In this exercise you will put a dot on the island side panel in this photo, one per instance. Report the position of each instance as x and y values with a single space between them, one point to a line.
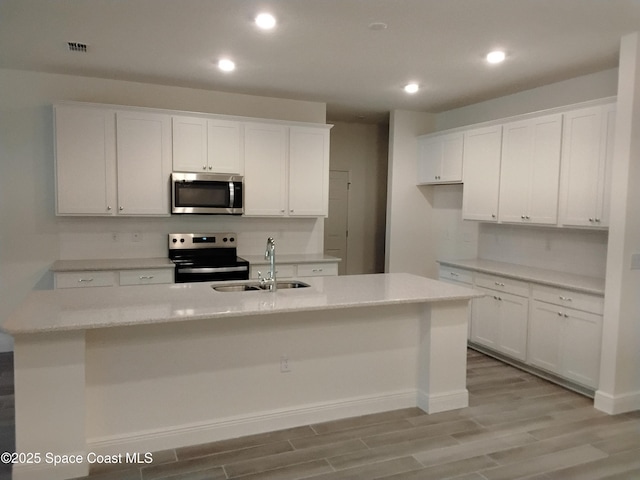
162 386
49 374
442 360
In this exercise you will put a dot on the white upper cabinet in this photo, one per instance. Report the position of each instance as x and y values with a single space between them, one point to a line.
440 159
111 162
144 163
286 170
585 182
481 173
308 171
85 160
207 145
530 170
265 182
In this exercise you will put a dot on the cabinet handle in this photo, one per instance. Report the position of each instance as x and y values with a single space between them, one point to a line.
565 299
597 220
109 208
493 215
453 274
316 270
522 217
210 167
121 208
527 217
146 277
499 284
291 211
591 219
204 167
559 314
566 316
87 280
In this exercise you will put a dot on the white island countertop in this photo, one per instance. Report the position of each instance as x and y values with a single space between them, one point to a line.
104 307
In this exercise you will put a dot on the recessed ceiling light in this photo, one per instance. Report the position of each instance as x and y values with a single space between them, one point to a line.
226 65
497 56
411 88
377 26
266 21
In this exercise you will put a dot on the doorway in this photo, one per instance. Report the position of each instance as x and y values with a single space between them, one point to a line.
336 225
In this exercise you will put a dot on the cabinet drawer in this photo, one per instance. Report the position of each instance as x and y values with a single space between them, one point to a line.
456 274
503 284
146 277
317 269
84 279
569 299
282 271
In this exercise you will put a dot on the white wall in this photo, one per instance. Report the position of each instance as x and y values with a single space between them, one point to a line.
619 388
32 237
409 246
362 150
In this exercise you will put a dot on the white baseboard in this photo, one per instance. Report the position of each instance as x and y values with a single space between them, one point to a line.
444 401
221 429
615 404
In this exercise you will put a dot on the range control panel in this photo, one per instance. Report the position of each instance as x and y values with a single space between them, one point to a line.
202 240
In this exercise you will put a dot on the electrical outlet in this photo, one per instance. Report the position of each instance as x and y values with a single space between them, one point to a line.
285 366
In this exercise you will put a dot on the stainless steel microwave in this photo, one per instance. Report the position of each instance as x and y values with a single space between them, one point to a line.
205 193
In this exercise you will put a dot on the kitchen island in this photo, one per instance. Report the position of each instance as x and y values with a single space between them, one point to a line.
110 371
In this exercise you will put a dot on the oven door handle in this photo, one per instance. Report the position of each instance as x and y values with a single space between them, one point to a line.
213 269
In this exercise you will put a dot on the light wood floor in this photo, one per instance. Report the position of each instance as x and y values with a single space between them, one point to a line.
516 427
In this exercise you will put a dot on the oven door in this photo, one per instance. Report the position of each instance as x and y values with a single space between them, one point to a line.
186 273
207 194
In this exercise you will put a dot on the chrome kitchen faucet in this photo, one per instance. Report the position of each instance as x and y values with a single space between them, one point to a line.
270 254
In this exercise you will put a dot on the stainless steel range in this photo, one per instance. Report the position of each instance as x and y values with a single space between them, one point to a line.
206 257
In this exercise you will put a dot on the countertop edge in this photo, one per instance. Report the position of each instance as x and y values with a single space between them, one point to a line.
467 264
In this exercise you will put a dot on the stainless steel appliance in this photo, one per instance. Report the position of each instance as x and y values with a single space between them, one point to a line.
206 257
205 193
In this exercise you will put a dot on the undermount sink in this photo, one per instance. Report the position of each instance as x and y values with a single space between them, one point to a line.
292 284
249 287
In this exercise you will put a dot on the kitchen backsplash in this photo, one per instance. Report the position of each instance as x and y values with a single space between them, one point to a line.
90 238
582 252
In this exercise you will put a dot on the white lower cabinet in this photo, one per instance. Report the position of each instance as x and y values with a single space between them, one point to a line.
112 278
552 329
565 340
499 321
295 270
463 278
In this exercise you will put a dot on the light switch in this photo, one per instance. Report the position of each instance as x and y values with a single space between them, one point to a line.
635 261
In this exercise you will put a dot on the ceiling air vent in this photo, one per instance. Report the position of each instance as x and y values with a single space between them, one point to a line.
77 47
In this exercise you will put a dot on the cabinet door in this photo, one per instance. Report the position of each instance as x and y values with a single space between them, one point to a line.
530 170
85 161
265 169
440 159
225 147
189 144
481 173
545 330
581 343
485 326
144 163
604 185
513 315
586 149
308 171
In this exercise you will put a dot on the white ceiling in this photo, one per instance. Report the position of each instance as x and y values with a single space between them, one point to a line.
323 50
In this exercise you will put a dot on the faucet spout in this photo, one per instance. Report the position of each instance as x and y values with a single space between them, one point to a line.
270 254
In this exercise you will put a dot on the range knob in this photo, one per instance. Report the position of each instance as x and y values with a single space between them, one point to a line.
225 239
175 240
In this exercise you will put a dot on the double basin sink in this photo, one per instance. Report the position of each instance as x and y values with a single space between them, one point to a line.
249 287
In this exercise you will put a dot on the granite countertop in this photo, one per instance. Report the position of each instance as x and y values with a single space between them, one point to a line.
581 283
292 258
111 264
89 308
